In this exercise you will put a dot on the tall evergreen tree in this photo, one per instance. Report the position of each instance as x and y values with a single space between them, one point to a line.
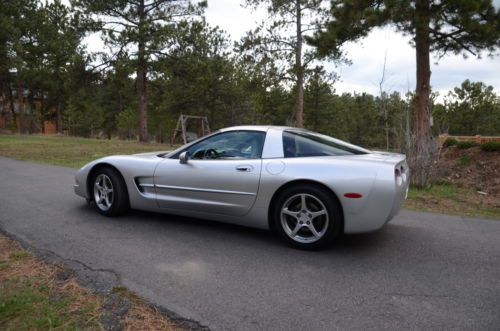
440 26
197 78
59 43
470 109
281 38
143 28
16 21
317 98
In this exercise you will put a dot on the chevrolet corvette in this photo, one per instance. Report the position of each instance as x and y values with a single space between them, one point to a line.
307 187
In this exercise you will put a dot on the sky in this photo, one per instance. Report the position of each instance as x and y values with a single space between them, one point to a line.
366 56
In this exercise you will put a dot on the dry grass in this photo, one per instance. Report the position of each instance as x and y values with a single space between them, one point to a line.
31 297
145 317
451 199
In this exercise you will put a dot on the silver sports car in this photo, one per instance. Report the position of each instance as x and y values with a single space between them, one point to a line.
305 186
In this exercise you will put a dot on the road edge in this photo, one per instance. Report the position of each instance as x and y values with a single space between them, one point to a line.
100 281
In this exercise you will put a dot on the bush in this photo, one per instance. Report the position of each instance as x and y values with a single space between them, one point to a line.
450 142
466 144
463 161
491 146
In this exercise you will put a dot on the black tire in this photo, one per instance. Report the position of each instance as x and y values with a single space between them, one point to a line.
119 204
332 222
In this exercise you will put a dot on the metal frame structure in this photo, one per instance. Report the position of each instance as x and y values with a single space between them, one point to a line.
182 125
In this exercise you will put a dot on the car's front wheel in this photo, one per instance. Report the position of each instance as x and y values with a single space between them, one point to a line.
307 216
109 192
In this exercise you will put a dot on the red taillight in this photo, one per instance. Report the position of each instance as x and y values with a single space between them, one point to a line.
353 195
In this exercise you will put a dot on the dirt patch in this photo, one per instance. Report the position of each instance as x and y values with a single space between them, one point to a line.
471 169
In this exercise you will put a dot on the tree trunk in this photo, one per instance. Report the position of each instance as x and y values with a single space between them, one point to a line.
383 103
58 116
407 121
316 107
386 130
142 95
12 108
31 99
299 103
20 107
422 150
141 79
42 112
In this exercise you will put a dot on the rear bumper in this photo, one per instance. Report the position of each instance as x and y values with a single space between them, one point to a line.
399 199
384 203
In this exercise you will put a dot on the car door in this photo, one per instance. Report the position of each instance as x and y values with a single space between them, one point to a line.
221 176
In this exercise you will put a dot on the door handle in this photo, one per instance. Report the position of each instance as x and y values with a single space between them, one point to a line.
244 168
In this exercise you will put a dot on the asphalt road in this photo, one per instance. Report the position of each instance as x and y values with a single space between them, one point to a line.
422 271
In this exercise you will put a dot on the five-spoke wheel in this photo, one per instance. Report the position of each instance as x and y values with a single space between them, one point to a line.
103 192
307 216
304 218
109 192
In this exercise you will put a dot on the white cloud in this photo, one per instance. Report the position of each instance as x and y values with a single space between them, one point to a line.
231 16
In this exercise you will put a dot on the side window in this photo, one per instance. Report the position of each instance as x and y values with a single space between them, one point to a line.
229 145
304 144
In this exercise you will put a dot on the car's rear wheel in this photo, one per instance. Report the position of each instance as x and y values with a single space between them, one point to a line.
307 216
109 192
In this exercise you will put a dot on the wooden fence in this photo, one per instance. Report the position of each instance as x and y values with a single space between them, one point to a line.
477 138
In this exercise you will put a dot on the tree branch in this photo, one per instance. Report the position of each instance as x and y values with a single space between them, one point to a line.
120 23
121 15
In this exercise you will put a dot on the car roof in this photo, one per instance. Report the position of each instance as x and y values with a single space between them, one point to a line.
258 128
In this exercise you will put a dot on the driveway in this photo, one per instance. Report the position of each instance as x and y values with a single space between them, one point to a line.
422 271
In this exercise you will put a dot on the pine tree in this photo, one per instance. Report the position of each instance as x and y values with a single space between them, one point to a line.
281 39
143 28
439 26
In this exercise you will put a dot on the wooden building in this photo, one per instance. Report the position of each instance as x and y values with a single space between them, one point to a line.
21 112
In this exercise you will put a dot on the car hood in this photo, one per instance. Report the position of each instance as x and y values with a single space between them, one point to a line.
150 155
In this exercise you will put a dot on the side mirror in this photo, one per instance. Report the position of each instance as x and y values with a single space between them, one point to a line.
184 157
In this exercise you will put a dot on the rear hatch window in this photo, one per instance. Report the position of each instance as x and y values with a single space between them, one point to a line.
303 143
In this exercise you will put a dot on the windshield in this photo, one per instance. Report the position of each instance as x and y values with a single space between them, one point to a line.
301 143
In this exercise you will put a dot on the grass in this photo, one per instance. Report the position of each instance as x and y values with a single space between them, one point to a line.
69 151
464 161
18 255
31 298
450 199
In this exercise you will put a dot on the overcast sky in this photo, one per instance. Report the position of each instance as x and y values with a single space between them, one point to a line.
367 56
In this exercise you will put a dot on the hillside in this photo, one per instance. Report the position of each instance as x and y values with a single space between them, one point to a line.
466 182
470 168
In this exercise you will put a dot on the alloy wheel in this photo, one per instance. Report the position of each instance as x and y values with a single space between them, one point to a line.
103 192
304 218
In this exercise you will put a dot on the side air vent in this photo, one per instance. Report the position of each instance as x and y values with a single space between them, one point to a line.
145 185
